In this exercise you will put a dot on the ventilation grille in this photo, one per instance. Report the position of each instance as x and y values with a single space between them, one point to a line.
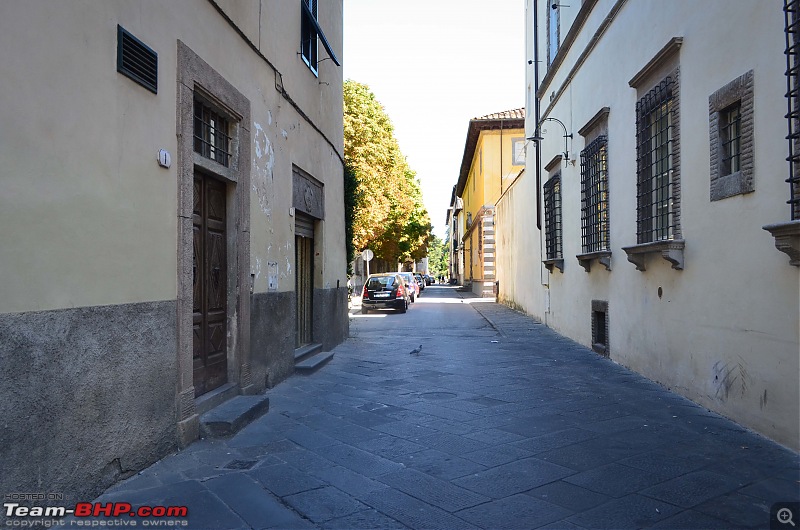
136 60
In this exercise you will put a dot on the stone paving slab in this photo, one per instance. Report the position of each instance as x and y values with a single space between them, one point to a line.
499 422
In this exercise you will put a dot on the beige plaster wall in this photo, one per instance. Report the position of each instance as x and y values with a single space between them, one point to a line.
90 217
725 330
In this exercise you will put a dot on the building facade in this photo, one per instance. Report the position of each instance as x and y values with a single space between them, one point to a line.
655 195
173 202
494 156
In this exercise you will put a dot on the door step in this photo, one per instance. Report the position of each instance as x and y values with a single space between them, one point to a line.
310 358
230 417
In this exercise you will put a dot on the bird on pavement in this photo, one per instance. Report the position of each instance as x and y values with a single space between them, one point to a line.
416 351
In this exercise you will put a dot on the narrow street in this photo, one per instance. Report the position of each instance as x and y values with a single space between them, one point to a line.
496 422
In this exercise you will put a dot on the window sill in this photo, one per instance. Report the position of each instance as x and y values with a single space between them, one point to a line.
671 250
603 257
557 263
787 239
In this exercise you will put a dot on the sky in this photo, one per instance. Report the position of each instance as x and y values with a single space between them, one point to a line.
434 65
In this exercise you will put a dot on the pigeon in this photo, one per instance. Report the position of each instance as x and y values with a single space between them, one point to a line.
416 351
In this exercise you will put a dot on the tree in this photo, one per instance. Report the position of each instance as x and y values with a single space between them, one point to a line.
388 215
438 257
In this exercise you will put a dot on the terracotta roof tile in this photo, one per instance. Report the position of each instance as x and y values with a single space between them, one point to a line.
504 115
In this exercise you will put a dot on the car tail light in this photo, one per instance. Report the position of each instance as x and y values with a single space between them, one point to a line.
365 294
400 291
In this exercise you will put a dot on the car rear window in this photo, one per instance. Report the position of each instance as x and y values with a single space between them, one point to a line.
380 282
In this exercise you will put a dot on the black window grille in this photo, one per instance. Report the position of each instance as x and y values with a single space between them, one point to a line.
791 9
211 138
552 217
308 33
594 196
656 200
730 133
136 60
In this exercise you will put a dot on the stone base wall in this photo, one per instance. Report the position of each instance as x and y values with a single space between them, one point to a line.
88 396
331 320
272 333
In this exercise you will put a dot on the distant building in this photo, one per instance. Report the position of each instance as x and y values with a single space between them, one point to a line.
494 156
172 204
646 227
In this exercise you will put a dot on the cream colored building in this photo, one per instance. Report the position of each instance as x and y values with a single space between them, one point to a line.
173 221
644 226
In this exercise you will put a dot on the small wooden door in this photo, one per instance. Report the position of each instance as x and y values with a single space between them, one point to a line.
304 278
210 354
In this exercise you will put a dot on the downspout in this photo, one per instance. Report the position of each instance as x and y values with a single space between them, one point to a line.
537 133
501 157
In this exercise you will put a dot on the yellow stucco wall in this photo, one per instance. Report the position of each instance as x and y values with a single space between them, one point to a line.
491 171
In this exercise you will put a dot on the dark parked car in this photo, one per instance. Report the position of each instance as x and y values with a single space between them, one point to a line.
420 281
385 291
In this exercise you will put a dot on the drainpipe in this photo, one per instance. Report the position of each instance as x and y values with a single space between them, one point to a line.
501 157
537 132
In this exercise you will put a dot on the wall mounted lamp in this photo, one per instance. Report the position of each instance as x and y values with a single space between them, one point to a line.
538 138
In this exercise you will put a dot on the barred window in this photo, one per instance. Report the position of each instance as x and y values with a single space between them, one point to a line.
594 196
656 197
211 138
552 217
792 11
730 138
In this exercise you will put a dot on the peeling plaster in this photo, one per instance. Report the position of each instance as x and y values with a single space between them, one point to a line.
263 166
284 134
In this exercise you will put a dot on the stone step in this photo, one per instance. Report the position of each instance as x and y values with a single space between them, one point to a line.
230 417
313 363
304 352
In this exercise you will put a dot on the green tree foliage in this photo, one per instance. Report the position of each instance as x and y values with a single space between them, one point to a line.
438 256
350 199
388 215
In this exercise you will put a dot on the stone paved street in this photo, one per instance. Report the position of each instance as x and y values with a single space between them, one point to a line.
497 423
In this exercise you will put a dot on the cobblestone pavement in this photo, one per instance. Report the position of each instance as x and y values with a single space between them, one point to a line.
497 422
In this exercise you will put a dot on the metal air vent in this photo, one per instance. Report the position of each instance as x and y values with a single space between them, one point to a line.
136 60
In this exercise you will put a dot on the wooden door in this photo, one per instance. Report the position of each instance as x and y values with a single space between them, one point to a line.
210 355
304 260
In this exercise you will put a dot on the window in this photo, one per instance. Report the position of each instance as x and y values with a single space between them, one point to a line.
787 234
211 138
553 23
518 149
594 196
792 30
730 121
308 34
552 218
656 197
658 160
600 327
730 135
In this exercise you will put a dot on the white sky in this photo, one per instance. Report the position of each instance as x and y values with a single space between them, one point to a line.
434 64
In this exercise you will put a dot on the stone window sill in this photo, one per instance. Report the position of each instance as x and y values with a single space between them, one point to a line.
787 239
671 251
603 257
557 263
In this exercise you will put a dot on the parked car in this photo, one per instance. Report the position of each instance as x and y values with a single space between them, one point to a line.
412 284
421 281
429 279
385 291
